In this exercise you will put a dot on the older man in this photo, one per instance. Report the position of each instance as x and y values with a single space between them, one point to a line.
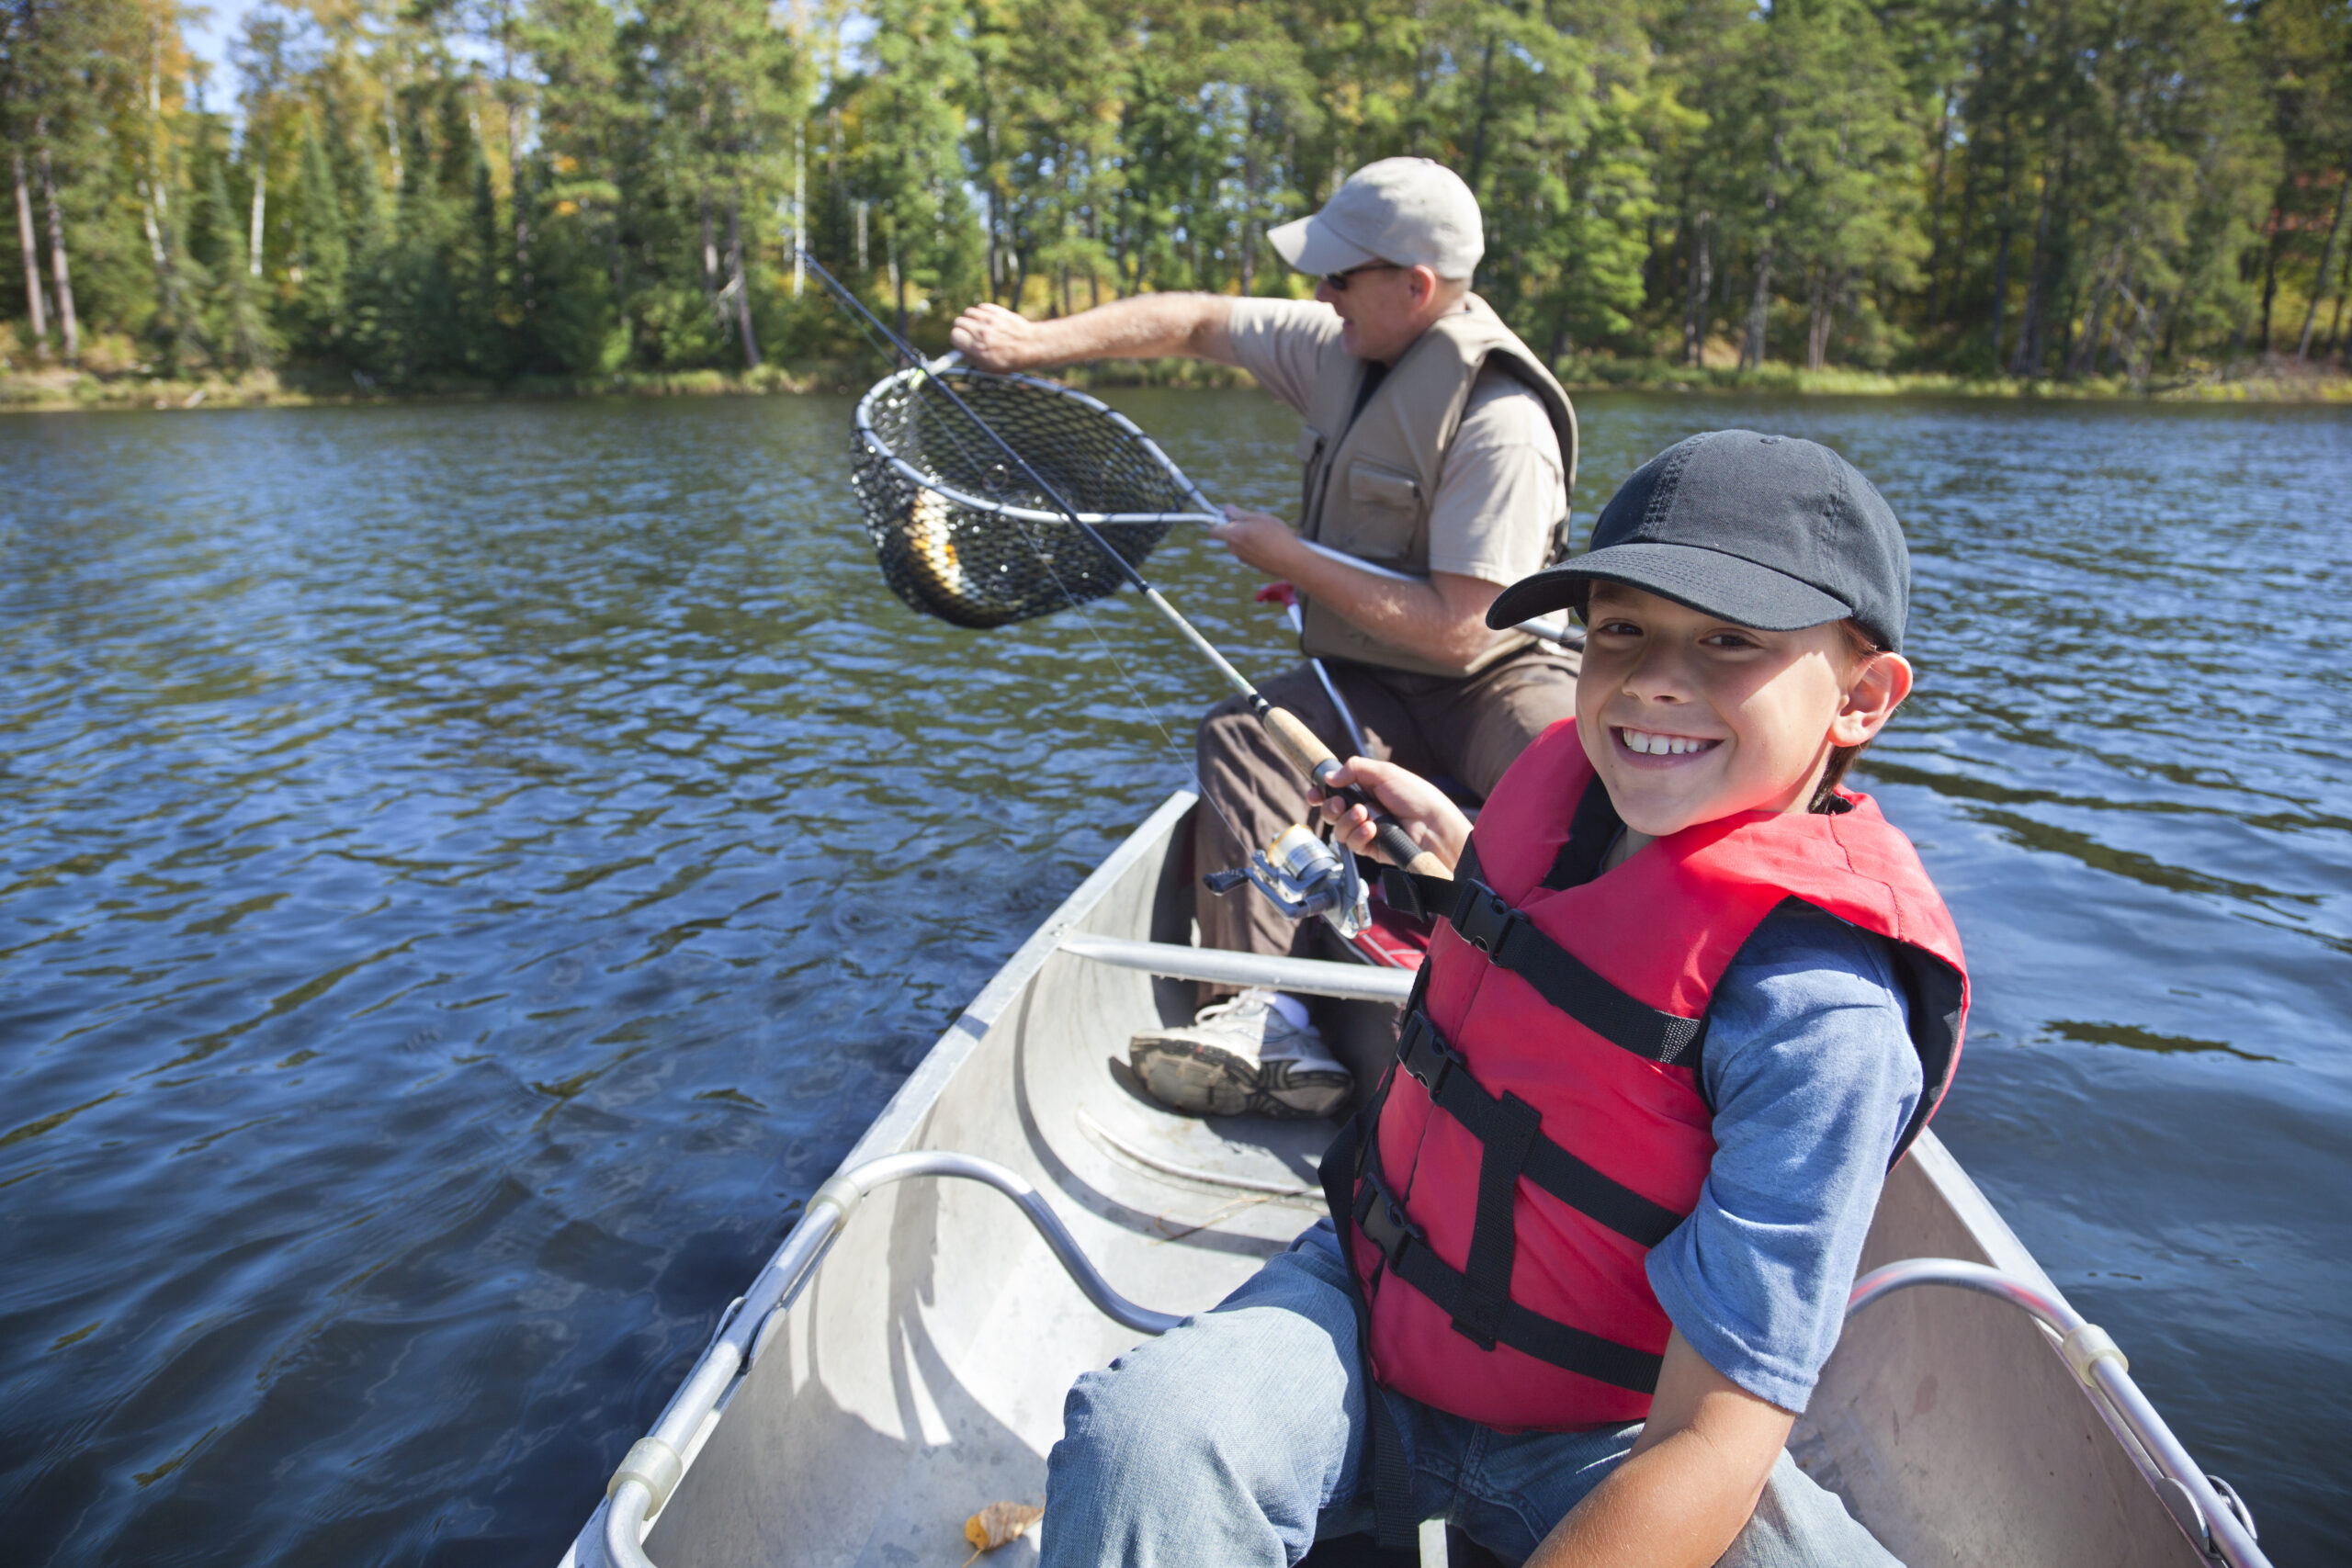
1436 444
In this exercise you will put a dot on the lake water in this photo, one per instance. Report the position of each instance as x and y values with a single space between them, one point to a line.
467 872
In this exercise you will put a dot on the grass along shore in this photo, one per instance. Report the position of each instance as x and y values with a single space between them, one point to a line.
2278 379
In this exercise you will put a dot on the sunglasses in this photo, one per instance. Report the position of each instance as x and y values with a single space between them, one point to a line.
1337 282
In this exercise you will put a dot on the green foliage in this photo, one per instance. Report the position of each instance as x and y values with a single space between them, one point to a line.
483 190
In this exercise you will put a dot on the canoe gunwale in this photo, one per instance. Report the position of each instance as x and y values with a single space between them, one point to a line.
2196 1503
1038 1097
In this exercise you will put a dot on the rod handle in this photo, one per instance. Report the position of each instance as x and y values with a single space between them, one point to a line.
1306 748
1315 759
1399 846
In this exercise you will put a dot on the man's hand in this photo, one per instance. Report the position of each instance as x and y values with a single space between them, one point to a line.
1148 326
1429 818
994 338
1257 539
1687 1489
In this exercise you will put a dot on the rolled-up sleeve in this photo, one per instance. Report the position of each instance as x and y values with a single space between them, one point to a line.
1810 1064
1281 344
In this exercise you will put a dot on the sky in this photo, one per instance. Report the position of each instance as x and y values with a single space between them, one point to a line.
210 27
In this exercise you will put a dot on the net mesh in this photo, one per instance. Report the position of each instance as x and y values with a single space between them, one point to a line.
977 567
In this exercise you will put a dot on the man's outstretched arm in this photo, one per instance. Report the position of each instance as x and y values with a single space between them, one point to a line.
1693 1478
1149 326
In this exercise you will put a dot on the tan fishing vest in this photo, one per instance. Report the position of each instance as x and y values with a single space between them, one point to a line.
1368 483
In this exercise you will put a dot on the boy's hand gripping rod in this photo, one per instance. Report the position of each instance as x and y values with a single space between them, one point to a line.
1312 756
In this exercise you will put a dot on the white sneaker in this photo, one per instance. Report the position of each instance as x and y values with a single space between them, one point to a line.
1241 1058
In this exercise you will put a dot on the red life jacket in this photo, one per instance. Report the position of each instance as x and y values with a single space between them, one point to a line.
1544 1125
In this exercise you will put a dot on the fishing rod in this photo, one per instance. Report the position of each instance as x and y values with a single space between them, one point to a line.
1306 748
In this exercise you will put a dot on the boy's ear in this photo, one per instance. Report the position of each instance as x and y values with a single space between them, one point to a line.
1879 685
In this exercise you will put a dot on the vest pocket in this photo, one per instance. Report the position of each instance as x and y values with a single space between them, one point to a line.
1383 511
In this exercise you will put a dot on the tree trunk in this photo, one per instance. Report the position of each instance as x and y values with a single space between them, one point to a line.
2030 329
2335 321
2000 290
2326 265
261 188
898 278
1816 325
2084 359
1751 349
519 207
1698 275
59 274
36 312
742 289
2007 226
392 136
1479 141
2270 273
800 211
1935 209
709 259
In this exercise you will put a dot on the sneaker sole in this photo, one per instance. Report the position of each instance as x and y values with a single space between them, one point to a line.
1199 1079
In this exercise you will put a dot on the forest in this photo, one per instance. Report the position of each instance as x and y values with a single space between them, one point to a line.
422 193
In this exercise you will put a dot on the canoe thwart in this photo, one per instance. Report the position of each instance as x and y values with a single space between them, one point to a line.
1306 976
2218 1524
653 1466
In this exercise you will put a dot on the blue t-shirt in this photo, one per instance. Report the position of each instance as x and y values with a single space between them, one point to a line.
1810 1066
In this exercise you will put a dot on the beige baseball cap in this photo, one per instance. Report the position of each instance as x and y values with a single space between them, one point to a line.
1412 212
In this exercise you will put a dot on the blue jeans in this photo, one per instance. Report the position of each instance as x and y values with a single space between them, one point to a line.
1239 1438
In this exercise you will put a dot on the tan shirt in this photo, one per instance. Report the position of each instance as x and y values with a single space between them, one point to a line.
1500 495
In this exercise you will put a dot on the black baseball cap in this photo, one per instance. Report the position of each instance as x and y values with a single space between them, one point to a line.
1773 532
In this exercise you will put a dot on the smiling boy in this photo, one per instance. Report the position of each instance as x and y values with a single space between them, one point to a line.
1591 1238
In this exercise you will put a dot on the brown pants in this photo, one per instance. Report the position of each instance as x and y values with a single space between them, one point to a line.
1472 728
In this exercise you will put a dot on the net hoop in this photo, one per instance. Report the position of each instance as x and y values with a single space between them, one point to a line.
949 548
1200 511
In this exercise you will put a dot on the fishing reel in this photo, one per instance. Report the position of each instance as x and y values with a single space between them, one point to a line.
1304 875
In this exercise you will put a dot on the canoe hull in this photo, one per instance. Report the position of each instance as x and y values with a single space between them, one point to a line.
921 1376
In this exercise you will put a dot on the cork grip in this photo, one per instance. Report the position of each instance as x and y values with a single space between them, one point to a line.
1313 757
1304 747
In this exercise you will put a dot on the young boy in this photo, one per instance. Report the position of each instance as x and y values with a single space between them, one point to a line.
1591 1239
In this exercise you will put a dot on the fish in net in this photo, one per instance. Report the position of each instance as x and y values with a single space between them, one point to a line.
964 534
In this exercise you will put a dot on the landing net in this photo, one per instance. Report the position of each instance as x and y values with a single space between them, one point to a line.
963 534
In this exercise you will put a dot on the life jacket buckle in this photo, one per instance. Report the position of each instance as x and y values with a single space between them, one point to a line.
1426 1054
1383 1223
1483 918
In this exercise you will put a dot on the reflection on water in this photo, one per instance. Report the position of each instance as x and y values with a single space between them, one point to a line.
467 872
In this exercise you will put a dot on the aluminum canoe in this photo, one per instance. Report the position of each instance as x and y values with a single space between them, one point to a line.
916 1373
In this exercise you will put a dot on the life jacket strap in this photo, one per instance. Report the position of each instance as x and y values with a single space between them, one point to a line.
1407 1255
1485 919
1423 1052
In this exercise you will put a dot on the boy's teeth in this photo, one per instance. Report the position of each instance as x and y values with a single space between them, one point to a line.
1643 741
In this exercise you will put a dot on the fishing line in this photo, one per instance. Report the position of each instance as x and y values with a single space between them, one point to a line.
893 346
1307 749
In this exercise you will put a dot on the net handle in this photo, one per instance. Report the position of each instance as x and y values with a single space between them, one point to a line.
917 364
1204 511
1309 753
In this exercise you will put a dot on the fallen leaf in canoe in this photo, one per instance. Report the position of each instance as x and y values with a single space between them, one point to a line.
997 1524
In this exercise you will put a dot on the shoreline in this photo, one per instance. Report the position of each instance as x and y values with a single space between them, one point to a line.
64 391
